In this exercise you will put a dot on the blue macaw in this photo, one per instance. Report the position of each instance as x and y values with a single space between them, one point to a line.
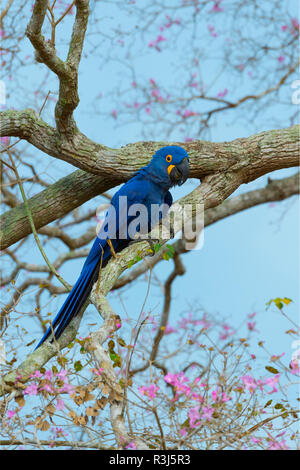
150 185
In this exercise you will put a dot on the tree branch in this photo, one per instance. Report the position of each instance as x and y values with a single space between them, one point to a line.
244 159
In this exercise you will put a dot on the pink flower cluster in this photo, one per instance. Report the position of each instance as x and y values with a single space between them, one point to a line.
226 332
170 22
189 320
155 42
216 7
293 28
197 416
186 113
4 140
49 382
212 30
223 93
295 367
150 392
219 396
251 384
179 381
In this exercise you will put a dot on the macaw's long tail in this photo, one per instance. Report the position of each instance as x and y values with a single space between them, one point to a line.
79 292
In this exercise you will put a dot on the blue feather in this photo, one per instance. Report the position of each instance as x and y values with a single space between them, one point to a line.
150 185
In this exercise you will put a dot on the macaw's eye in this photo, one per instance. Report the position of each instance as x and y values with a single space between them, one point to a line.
169 158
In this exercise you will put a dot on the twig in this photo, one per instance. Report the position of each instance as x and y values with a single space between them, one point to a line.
50 266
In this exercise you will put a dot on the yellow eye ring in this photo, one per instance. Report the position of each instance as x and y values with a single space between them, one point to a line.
169 158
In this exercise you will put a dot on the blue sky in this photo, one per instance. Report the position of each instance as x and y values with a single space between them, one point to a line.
246 259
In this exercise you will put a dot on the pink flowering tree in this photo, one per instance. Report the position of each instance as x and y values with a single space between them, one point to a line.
146 74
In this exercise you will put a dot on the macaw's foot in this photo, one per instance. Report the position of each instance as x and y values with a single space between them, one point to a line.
112 250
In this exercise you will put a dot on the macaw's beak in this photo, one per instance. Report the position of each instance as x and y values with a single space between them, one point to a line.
178 174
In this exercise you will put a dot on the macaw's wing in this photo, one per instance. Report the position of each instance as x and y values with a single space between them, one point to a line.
123 209
132 208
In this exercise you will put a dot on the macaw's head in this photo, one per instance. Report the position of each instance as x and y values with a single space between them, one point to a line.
171 165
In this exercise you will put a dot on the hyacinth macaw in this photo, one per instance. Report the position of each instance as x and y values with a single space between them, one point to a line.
150 185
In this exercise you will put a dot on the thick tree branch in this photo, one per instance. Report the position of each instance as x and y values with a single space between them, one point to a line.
67 72
276 190
247 158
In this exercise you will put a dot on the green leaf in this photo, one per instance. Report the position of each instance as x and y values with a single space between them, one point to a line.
157 247
113 355
279 302
268 403
78 366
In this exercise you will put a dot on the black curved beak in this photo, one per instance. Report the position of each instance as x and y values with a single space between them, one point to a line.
180 173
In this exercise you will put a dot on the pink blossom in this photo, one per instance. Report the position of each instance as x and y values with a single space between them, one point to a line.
60 405
150 391
274 445
194 417
160 38
271 382
187 113
275 357
281 58
98 371
223 93
249 382
48 374
11 413
227 331
4 140
114 113
169 329
148 109
220 397
47 387
295 24
240 67
62 374
212 31
58 432
295 367
131 445
284 27
216 8
168 378
66 388
251 325
156 94
31 389
252 315
207 413
155 42
179 382
35 374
